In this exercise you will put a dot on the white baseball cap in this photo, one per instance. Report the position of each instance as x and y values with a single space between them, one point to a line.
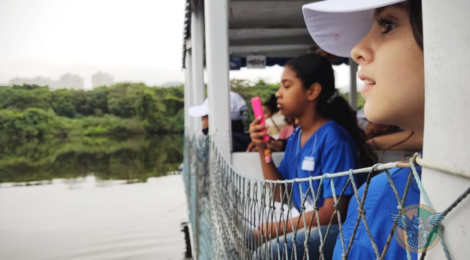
238 108
201 110
338 25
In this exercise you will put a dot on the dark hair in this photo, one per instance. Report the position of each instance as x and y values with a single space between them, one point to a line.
416 20
415 13
271 103
310 69
237 126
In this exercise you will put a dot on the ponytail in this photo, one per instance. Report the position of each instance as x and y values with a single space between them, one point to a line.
271 103
310 69
340 111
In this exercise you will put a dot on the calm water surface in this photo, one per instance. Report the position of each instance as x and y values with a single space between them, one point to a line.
92 199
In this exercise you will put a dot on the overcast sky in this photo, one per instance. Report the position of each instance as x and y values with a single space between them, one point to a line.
138 40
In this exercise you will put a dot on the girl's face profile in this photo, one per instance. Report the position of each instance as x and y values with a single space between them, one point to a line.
205 122
392 68
291 98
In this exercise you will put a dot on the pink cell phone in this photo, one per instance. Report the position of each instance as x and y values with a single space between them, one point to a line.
258 111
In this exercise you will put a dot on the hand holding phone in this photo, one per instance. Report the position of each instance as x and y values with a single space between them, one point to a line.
258 111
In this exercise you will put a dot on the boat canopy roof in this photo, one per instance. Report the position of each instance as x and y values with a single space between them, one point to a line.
272 28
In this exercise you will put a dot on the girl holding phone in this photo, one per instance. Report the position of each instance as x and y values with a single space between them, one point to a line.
327 140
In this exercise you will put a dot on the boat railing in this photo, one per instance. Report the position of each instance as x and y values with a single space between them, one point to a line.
233 216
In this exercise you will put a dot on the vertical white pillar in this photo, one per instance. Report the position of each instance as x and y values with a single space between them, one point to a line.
217 64
353 84
197 51
187 93
447 124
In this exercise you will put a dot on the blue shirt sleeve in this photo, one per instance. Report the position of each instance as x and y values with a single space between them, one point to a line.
339 156
282 168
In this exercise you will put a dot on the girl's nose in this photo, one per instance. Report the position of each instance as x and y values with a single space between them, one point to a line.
362 53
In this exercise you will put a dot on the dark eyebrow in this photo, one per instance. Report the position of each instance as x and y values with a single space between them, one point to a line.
380 10
284 80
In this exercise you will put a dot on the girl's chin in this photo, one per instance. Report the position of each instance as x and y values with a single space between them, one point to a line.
376 117
371 113
285 112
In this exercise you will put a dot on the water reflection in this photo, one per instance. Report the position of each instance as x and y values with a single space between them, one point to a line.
132 160
70 200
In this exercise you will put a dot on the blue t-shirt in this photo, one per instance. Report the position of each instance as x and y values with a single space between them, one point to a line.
332 150
380 201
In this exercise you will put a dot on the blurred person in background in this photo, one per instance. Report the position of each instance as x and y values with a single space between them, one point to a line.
238 108
273 117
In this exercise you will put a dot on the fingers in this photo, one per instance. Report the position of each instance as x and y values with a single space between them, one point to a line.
254 132
258 135
250 147
256 123
256 127
275 145
257 131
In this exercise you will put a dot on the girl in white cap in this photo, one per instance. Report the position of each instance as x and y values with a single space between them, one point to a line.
385 38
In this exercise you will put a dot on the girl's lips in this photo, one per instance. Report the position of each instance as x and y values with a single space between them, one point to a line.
367 87
368 82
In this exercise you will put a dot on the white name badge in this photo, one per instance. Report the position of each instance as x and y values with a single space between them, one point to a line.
308 164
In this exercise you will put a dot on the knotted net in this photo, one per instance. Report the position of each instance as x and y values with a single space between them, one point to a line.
237 217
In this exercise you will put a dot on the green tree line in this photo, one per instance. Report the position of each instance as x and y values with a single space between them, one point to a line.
121 110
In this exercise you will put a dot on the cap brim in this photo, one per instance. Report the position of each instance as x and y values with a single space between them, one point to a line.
198 111
337 26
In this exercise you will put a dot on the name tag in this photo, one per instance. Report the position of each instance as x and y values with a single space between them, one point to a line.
308 163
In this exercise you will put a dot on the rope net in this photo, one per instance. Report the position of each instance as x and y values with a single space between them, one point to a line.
237 217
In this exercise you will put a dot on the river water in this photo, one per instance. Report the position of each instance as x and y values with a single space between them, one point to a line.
110 201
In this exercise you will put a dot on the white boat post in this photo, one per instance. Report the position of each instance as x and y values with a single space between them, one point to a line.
447 120
217 64
197 54
188 121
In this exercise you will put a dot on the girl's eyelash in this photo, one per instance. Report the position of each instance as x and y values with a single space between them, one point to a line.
387 25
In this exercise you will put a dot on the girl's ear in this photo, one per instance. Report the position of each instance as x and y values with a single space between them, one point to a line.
314 91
